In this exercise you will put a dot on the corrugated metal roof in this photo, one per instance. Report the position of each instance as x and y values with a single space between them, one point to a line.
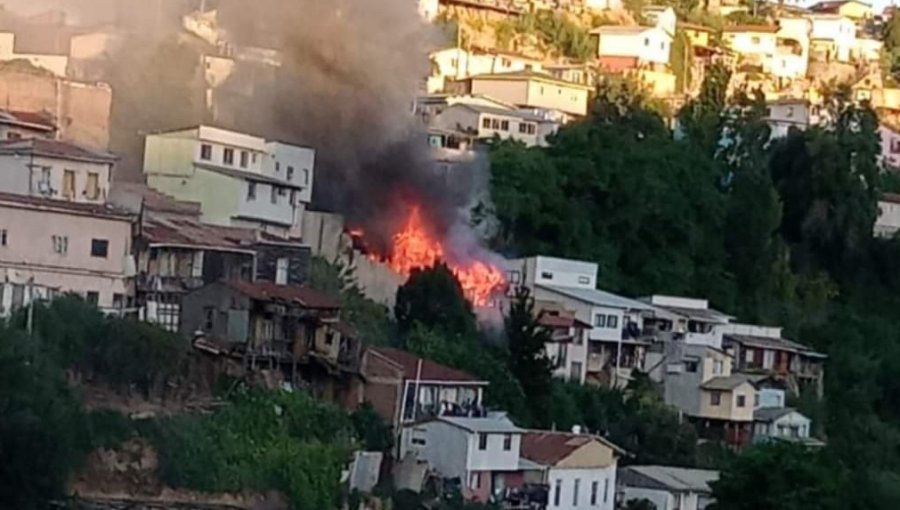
676 478
599 297
487 425
769 414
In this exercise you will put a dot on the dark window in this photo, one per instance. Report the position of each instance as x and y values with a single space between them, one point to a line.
251 191
595 485
206 152
507 442
290 173
228 156
245 159
277 166
600 321
504 126
210 318
691 366
741 401
557 493
93 298
715 398
3 237
99 248
486 123
612 321
482 441
547 275
584 280
13 136
274 194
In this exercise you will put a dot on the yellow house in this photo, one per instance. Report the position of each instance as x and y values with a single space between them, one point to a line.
698 35
853 9
656 83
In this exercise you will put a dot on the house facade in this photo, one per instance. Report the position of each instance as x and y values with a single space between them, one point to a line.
49 247
568 342
622 48
458 63
239 180
578 469
486 122
531 89
784 114
686 319
56 170
781 424
888 222
15 125
668 488
833 37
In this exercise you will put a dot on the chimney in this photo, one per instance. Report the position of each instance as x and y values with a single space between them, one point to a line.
576 429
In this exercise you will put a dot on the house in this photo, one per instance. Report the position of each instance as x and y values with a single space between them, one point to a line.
833 37
668 488
853 9
239 180
394 378
888 222
867 49
787 113
458 64
290 330
568 342
579 469
529 89
616 344
49 247
698 35
54 169
700 382
661 16
483 454
621 48
762 350
890 147
782 424
755 45
583 73
16 125
55 62
685 319
486 122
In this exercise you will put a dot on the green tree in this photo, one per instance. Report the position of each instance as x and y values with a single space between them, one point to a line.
434 298
375 434
527 340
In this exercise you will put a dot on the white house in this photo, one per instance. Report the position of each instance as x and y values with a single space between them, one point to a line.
784 114
890 147
486 122
53 169
661 16
630 47
888 222
668 488
458 63
833 37
484 453
530 89
687 319
568 341
782 424
579 469
240 180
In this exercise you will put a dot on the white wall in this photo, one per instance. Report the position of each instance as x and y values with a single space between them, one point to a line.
606 488
751 43
266 206
888 221
283 158
651 46
16 177
561 272
842 31
494 457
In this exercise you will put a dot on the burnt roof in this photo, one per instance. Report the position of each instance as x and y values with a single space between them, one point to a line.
186 231
268 291
37 120
431 370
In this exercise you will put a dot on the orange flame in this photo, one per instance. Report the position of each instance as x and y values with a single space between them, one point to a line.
414 247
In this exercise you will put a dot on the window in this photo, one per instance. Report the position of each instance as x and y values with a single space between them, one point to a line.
486 123
13 136
92 190
69 183
575 371
274 194
251 191
245 159
206 152
895 145
646 41
756 400
514 277
584 280
60 245
99 248
475 480
575 492
595 486
717 367
547 275
3 237
691 366
504 125
306 176
495 123
290 173
118 301
277 166
557 492
612 321
605 489
418 437
482 441
715 398
754 40
253 158
741 400
281 271
523 127
507 442
600 320
210 318
92 297
228 156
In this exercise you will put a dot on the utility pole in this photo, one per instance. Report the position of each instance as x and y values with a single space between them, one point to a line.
29 324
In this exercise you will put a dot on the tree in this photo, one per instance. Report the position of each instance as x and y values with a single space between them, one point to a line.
639 504
527 340
372 429
434 298
778 476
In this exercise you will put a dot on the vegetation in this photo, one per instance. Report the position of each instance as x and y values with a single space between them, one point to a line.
553 30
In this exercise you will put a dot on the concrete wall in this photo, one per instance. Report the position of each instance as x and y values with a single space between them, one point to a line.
751 43
31 251
508 91
81 110
652 46
296 165
494 457
565 480
554 96
17 177
728 408
219 194
888 221
446 447
841 31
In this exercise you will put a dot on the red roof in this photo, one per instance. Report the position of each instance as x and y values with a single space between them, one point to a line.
268 291
548 447
431 371
561 320
65 206
53 149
